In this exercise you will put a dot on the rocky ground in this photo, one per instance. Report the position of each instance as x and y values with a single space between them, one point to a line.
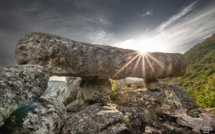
130 110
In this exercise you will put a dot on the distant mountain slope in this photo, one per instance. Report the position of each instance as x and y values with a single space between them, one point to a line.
199 80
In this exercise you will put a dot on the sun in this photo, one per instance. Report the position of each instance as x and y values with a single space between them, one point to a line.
142 51
151 45
145 45
141 57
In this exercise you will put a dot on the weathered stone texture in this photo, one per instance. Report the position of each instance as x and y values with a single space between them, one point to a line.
44 116
68 92
19 85
65 57
91 91
197 124
163 94
96 119
54 87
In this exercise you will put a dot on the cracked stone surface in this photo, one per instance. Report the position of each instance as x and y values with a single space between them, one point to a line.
196 124
46 115
19 85
68 92
91 91
96 118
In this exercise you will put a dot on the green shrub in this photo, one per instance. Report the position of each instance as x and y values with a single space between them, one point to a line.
199 80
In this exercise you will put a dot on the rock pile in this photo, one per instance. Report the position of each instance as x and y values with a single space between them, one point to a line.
89 102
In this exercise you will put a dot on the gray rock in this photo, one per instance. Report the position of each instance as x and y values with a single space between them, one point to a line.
197 124
120 84
91 91
205 123
54 87
96 119
97 90
65 57
44 116
163 94
186 101
174 95
68 92
18 85
70 79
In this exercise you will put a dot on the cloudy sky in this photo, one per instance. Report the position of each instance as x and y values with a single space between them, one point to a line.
150 25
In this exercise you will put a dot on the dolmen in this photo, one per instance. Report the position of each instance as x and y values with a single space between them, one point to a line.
96 64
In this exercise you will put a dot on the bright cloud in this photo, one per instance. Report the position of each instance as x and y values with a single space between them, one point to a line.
181 14
177 33
147 13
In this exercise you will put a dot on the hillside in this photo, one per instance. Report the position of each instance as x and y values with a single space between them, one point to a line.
199 80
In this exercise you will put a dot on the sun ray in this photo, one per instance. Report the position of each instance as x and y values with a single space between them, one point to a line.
125 65
143 67
138 60
156 60
146 56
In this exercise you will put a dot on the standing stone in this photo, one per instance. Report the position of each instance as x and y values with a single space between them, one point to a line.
19 85
68 92
91 91
96 90
65 57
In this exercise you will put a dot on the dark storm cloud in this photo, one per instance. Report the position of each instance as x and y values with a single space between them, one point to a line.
95 21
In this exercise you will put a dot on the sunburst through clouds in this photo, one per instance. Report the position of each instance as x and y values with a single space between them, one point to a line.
142 59
142 56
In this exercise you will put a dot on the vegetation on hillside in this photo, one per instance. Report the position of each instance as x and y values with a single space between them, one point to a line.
199 80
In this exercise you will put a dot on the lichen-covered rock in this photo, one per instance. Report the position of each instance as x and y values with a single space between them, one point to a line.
145 112
91 91
65 57
97 90
134 116
54 87
186 101
175 95
165 95
18 85
96 119
44 116
123 84
197 124
120 84
68 92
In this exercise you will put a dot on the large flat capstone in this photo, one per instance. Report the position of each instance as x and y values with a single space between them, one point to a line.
65 57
